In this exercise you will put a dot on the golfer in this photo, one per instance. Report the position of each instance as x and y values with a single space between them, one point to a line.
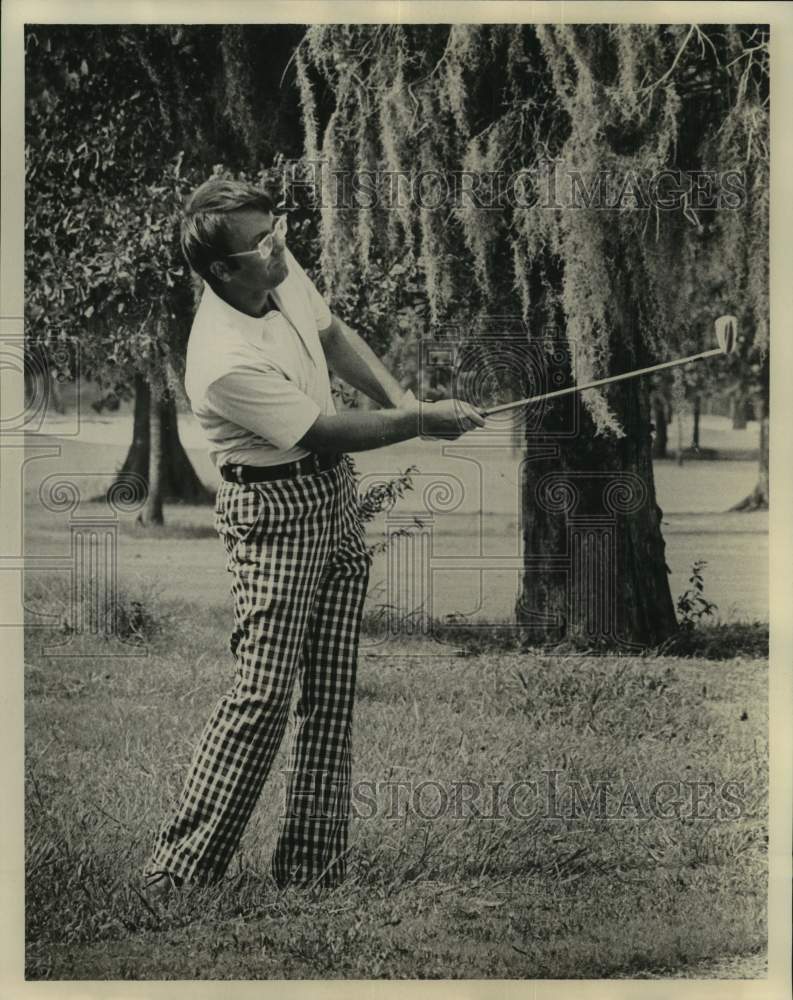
287 512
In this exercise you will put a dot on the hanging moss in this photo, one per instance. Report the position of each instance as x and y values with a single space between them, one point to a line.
622 100
238 108
310 127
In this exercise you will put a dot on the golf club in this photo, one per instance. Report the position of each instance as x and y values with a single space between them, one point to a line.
726 336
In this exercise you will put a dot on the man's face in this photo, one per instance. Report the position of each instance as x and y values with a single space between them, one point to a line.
246 227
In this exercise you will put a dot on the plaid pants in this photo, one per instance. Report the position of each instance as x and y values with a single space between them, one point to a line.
297 554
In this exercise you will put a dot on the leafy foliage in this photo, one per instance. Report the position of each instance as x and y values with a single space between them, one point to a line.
120 126
692 605
102 256
382 496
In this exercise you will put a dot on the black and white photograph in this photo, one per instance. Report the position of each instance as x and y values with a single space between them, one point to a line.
388 400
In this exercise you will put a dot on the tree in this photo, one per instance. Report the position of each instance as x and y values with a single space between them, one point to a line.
581 105
661 405
730 90
103 268
121 124
758 498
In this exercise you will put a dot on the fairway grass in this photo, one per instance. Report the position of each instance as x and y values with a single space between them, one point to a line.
457 870
187 558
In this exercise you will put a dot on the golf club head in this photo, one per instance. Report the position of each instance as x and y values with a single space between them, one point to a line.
727 333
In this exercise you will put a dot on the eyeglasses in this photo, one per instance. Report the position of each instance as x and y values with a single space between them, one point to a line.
266 244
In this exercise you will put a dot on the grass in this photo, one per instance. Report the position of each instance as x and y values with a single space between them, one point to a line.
432 892
435 890
187 559
713 640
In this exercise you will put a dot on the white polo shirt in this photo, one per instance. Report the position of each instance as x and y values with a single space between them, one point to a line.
256 384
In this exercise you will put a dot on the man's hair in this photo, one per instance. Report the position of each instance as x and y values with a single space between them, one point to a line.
206 216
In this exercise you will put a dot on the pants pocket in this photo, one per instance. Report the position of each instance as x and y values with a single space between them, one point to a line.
238 514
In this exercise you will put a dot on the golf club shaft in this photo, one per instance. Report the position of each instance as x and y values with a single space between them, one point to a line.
602 381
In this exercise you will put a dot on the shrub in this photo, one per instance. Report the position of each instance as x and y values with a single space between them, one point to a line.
692 605
136 611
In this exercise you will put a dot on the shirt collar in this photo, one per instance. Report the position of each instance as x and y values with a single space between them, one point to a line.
218 315
232 317
287 298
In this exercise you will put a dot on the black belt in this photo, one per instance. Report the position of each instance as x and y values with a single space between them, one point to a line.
308 466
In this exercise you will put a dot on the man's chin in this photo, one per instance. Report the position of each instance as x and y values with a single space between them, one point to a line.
284 274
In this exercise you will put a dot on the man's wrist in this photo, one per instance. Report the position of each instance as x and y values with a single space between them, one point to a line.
407 420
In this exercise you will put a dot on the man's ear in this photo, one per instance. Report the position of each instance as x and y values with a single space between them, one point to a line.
220 270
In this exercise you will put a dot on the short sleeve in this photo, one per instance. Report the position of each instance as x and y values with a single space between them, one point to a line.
266 402
319 306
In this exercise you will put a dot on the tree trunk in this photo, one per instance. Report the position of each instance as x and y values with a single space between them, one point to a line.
697 409
661 422
137 460
180 481
738 411
152 512
679 453
595 570
56 397
758 498
41 387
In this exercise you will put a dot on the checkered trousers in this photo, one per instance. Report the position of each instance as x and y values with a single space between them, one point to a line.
299 565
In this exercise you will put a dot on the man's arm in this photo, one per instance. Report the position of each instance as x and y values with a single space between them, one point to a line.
352 359
361 430
265 402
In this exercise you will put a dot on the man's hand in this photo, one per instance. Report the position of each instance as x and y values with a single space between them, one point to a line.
364 430
449 418
444 420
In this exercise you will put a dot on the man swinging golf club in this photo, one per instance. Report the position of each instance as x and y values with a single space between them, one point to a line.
287 511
